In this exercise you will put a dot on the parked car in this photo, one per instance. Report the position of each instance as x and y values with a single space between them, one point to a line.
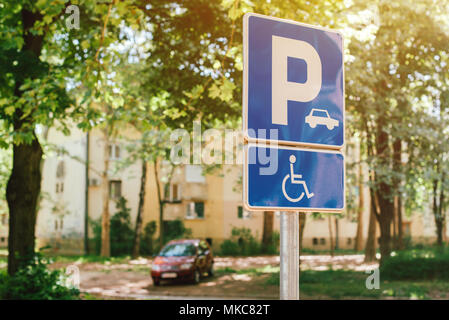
187 259
321 117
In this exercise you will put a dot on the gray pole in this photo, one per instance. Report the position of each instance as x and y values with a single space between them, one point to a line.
289 256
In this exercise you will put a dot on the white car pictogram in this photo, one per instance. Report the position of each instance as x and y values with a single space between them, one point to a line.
321 117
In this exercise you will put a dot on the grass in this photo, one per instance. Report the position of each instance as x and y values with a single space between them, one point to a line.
346 284
340 284
89 259
251 271
338 252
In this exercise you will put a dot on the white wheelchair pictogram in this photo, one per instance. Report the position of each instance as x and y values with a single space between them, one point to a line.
293 178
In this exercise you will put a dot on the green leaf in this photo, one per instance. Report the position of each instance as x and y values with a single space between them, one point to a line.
10 110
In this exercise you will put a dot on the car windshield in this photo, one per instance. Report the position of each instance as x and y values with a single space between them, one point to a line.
178 250
318 113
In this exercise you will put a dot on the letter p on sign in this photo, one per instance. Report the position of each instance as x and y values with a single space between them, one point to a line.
284 90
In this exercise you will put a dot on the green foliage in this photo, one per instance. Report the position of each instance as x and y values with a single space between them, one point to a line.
34 281
424 264
121 232
273 247
176 230
147 241
242 243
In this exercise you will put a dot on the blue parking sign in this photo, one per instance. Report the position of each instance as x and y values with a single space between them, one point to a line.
293 179
293 83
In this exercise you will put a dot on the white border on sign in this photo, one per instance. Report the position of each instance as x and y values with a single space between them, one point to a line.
295 209
245 85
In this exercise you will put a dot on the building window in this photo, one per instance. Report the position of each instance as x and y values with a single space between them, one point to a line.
115 189
315 241
243 214
3 239
59 187
60 170
195 210
114 152
175 193
322 241
59 224
349 242
4 219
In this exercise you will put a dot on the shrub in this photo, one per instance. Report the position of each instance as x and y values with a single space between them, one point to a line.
34 281
417 265
273 247
121 232
175 229
146 242
242 243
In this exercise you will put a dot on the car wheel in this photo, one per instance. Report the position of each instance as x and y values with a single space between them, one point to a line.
156 282
196 276
210 272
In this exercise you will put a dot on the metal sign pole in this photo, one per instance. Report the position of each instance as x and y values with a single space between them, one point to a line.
289 248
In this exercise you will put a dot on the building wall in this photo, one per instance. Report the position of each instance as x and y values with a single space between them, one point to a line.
60 219
220 191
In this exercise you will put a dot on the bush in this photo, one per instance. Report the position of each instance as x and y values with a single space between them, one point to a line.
146 242
121 232
242 243
34 281
175 230
417 265
273 247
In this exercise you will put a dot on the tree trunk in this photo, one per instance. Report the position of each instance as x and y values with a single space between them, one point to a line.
400 229
267 235
138 230
370 247
24 183
385 238
86 197
441 211
331 237
22 193
302 225
438 211
358 246
384 189
337 236
397 163
161 206
105 218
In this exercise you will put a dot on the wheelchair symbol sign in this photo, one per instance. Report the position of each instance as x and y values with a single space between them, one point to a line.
293 179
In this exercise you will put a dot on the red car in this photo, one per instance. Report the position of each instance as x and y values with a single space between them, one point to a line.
186 259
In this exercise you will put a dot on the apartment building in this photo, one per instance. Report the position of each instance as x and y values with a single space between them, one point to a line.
210 205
